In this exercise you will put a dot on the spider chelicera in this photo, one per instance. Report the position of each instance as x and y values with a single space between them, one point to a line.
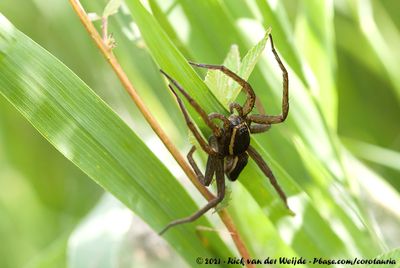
229 148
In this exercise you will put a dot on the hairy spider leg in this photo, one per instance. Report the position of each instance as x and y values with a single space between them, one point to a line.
237 107
204 145
268 172
251 96
216 130
221 117
210 168
219 176
274 119
259 128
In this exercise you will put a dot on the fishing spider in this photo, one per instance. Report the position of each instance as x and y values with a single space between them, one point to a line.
228 148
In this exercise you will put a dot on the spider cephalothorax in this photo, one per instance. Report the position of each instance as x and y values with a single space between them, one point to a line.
228 147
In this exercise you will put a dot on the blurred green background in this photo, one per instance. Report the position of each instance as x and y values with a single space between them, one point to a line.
344 54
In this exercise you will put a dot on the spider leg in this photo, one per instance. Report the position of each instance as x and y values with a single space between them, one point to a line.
259 128
221 117
274 119
267 171
195 105
251 96
219 164
204 145
236 106
210 168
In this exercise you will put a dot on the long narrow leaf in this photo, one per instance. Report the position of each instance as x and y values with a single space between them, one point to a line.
87 132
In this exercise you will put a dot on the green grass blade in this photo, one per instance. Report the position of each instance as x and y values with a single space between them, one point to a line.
315 33
374 153
163 20
276 18
392 256
382 36
341 204
203 16
305 119
87 132
169 58
343 208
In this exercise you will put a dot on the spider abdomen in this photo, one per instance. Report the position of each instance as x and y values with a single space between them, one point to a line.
239 139
234 165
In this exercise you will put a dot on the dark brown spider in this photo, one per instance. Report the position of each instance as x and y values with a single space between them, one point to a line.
229 146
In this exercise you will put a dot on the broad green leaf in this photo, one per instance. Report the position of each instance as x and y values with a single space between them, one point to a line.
225 88
253 55
232 60
88 133
219 83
